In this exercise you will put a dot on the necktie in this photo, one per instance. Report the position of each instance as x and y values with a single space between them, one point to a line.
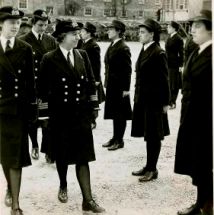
40 38
7 46
69 60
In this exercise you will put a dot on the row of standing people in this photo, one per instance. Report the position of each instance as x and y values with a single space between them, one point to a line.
67 83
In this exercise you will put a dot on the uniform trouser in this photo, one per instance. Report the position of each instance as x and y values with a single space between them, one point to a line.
45 134
153 150
119 127
174 84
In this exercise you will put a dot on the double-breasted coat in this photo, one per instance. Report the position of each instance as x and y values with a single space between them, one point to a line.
17 100
175 57
194 142
71 95
48 43
117 79
93 51
151 94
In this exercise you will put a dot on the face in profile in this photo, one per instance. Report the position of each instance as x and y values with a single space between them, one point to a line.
112 33
200 33
71 39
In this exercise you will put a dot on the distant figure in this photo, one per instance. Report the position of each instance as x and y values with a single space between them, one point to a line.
117 82
24 29
174 51
151 98
93 50
189 47
194 150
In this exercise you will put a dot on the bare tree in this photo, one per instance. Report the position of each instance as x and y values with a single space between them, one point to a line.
71 7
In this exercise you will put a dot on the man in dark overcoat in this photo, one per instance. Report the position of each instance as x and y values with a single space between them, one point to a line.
151 97
17 103
194 150
174 51
67 82
93 50
41 43
117 82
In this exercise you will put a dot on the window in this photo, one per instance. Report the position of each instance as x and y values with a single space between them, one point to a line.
140 13
141 2
181 4
168 5
23 4
88 11
124 13
107 12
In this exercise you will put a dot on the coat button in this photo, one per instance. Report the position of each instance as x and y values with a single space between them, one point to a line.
16 95
78 92
16 87
66 86
36 69
0 95
78 85
0 88
36 77
36 61
34 53
16 80
66 93
65 100
82 77
19 71
63 79
77 99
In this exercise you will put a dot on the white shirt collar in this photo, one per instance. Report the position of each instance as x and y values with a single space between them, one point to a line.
172 34
4 41
203 46
146 46
85 41
116 40
65 53
36 34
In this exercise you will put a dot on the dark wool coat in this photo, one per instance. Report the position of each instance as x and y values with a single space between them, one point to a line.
194 142
39 49
175 57
151 94
17 96
93 51
117 79
70 92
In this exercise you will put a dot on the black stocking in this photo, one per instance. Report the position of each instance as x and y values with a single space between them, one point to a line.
83 177
62 169
7 176
15 183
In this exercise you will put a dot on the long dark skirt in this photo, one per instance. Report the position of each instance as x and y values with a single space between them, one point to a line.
72 138
14 146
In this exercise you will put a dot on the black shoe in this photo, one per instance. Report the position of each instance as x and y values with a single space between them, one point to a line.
8 198
48 159
16 211
92 206
116 145
148 176
62 195
35 153
109 143
140 172
192 210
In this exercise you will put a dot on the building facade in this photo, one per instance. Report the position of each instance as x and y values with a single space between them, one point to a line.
161 10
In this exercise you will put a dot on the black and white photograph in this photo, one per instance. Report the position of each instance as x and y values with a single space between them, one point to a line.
106 107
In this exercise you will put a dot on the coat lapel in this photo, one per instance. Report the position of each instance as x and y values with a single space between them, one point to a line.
4 61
